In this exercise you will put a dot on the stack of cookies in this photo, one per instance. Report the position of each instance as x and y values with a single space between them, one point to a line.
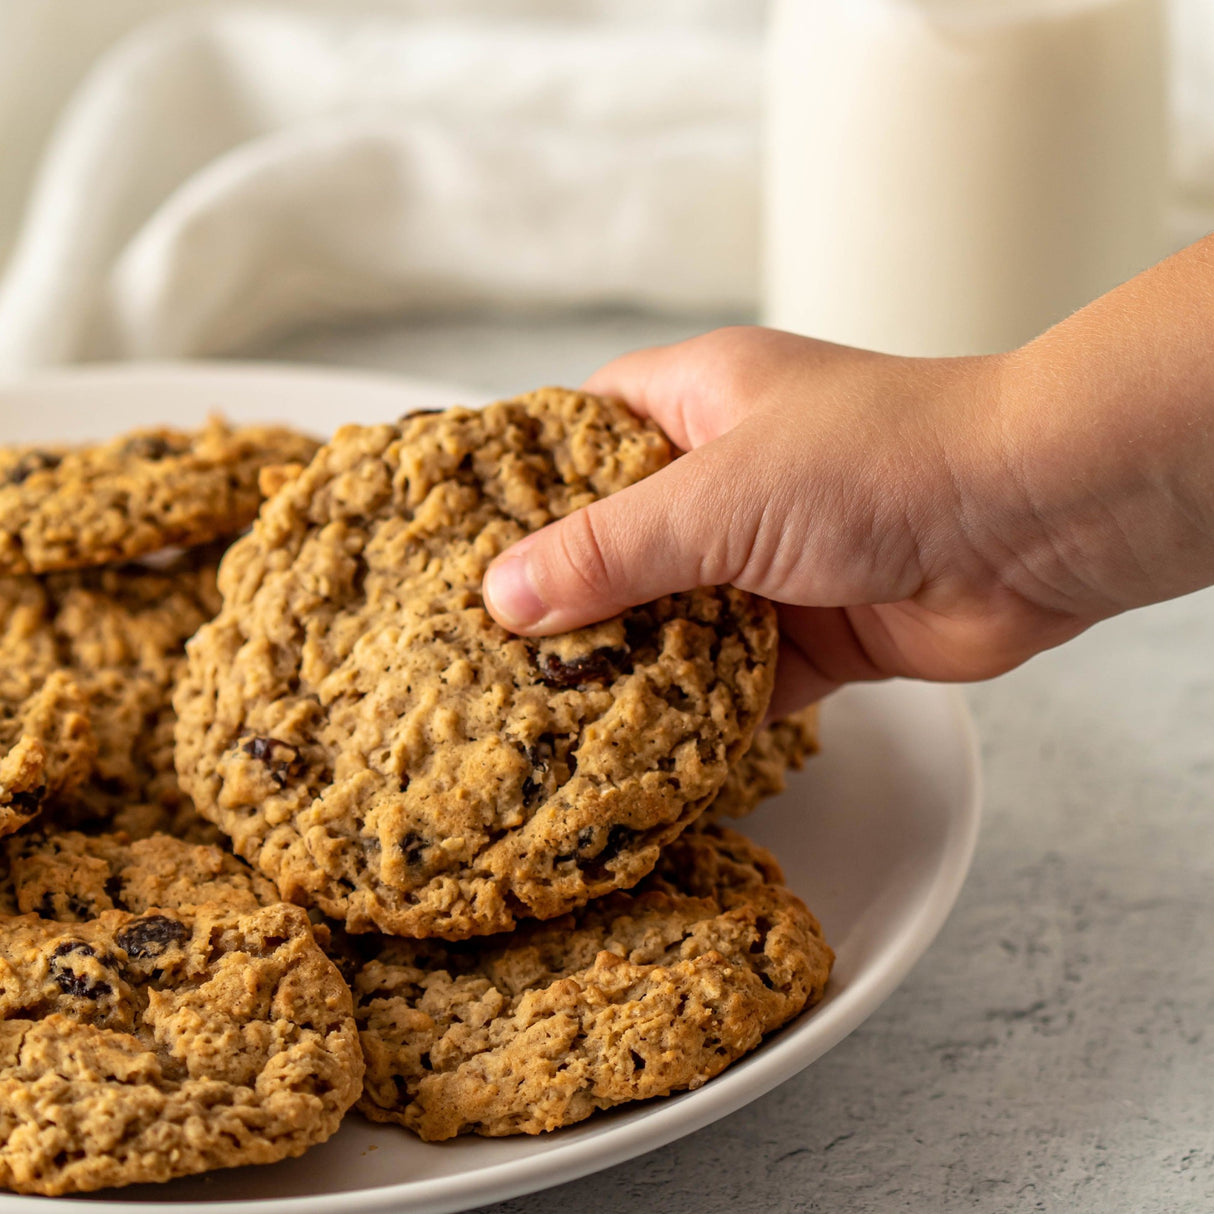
353 823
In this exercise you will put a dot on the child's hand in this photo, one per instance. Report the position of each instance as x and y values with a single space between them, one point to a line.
941 519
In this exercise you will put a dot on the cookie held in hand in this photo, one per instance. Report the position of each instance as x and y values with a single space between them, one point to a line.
377 744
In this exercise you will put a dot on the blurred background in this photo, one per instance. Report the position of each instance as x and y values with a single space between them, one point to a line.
544 182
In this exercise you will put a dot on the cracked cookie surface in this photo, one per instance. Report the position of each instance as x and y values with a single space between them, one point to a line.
47 746
65 508
69 876
762 771
635 995
142 1047
373 741
119 634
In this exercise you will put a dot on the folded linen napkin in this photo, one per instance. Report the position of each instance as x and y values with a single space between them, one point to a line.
185 177
226 172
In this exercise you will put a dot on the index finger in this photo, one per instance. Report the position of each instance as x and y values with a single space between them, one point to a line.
693 389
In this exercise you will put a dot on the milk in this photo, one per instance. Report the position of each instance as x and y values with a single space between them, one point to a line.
953 176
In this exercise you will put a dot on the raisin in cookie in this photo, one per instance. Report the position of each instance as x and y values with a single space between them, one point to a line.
138 1048
120 634
761 771
64 508
47 746
637 994
69 876
373 741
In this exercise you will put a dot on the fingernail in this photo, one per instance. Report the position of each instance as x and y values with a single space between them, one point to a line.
511 594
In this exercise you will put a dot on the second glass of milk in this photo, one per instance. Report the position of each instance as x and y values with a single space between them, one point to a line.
953 176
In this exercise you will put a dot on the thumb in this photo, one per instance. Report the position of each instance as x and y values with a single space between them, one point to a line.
682 527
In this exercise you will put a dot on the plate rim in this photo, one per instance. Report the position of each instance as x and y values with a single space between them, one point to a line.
664 1122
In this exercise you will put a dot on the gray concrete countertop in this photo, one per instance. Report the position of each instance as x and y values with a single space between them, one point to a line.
1053 1050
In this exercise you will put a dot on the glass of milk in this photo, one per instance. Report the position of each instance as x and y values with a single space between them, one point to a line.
953 176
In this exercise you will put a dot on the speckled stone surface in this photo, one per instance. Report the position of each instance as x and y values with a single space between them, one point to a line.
1054 1051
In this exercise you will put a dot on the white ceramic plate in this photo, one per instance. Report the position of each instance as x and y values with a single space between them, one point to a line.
876 835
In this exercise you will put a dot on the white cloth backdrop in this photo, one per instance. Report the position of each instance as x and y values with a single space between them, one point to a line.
184 178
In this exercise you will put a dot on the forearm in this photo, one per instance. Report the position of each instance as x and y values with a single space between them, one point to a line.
1104 434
